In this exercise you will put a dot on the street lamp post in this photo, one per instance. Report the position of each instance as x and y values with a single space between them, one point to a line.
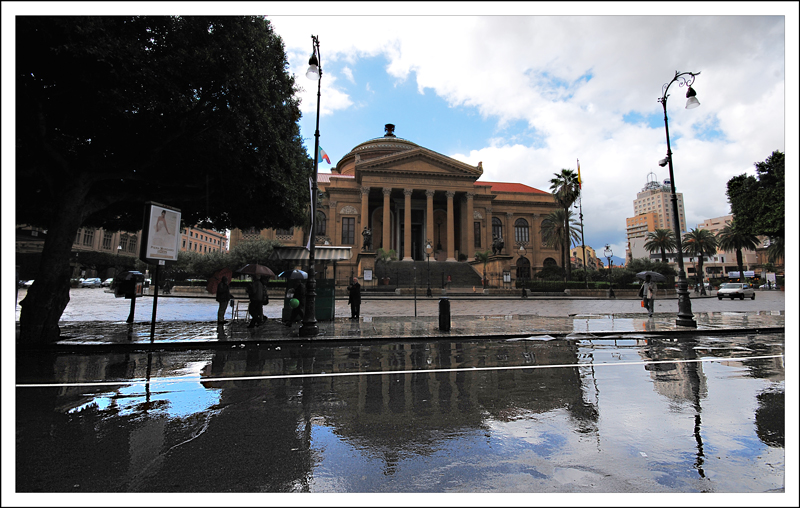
428 249
522 253
310 327
607 252
685 316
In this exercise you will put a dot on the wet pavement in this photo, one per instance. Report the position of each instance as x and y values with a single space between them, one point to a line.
520 396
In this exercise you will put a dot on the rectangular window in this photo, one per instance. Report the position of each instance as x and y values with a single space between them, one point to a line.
78 237
88 237
477 234
123 242
107 240
348 230
132 244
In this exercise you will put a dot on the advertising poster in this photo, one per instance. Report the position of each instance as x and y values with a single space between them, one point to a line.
162 227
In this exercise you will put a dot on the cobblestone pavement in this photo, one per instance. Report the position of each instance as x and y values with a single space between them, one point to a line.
95 317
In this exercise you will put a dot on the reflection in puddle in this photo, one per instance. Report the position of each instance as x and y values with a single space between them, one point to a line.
632 425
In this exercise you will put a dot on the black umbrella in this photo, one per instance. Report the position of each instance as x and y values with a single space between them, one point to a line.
654 276
256 269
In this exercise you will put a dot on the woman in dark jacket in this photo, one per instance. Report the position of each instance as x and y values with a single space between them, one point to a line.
223 297
354 299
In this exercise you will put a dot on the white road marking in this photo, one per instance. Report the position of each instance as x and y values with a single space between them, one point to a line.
185 379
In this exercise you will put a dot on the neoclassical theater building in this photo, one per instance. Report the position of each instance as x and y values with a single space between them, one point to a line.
410 197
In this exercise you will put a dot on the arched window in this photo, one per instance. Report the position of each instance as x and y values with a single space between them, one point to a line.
523 268
521 231
497 228
549 262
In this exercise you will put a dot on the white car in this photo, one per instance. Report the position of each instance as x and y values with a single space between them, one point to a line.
108 282
736 290
91 283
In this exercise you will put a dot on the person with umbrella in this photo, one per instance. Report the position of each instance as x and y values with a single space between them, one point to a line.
255 293
648 294
223 297
354 299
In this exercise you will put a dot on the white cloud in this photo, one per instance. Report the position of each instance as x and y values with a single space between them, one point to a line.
572 78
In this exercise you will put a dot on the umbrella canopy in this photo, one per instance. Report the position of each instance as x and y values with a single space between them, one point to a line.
294 274
256 269
215 279
655 276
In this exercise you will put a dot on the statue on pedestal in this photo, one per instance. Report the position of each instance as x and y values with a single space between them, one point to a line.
367 234
497 245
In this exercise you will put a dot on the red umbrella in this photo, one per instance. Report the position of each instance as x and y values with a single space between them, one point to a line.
215 279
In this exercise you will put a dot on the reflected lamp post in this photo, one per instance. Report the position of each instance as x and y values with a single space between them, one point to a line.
685 316
607 252
310 327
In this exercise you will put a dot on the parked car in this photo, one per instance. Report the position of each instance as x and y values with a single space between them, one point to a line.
107 283
736 290
27 283
91 283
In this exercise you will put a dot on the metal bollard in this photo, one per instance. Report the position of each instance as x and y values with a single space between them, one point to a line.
444 314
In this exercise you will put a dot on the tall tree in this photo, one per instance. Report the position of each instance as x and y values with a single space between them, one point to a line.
483 257
566 189
661 240
700 243
555 235
198 113
732 238
757 203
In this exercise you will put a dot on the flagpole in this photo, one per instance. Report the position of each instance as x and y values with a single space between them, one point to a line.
580 215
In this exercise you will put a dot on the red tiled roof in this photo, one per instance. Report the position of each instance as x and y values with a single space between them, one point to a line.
510 187
326 177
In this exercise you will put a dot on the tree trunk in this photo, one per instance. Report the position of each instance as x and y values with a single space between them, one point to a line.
663 255
42 307
702 276
567 258
740 263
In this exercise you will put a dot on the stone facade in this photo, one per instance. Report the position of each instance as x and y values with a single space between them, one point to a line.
410 197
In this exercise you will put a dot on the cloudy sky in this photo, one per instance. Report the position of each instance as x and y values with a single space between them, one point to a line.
530 94
530 88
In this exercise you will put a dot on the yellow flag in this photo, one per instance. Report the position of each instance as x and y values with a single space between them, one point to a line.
579 174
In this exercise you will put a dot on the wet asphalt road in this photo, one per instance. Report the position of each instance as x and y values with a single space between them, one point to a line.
699 415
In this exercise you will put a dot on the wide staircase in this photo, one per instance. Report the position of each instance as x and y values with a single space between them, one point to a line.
401 274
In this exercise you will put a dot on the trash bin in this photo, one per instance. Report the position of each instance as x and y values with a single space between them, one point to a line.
128 284
444 314
325 303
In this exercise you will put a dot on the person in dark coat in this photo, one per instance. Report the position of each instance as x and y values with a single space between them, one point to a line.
223 297
354 299
255 293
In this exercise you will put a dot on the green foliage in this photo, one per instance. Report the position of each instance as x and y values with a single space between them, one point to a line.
733 238
566 190
661 240
758 203
644 264
384 256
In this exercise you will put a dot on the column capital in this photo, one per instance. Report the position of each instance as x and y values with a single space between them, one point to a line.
387 191
429 193
364 190
450 194
470 195
509 214
408 192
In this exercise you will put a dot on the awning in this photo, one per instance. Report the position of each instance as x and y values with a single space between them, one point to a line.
321 253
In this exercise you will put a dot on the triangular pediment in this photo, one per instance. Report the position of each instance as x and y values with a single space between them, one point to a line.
419 161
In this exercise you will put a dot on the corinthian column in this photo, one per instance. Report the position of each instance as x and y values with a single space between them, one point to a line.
429 220
451 237
470 250
407 226
386 242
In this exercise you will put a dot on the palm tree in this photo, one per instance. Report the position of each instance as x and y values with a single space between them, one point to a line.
385 256
775 249
700 242
732 238
554 233
566 190
661 240
483 257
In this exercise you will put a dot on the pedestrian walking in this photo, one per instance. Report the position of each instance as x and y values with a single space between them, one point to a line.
223 297
648 294
298 313
354 299
255 293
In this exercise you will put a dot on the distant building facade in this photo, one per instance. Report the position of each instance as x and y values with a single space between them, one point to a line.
203 241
